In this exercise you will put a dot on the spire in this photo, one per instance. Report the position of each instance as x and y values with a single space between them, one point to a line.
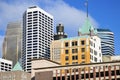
86 4
17 67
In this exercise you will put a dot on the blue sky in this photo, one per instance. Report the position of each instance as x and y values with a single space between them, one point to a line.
72 13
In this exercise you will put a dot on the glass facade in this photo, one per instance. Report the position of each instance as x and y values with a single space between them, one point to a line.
107 41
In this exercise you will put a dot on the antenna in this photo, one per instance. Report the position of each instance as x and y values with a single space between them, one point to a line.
86 4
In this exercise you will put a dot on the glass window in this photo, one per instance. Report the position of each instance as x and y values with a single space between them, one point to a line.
66 58
75 50
74 43
95 59
83 56
82 49
82 42
66 51
95 52
66 44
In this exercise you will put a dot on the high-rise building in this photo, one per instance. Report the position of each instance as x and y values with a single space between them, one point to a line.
60 32
5 65
85 48
12 42
107 41
37 35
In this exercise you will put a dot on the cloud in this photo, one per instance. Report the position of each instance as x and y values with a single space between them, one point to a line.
1 42
12 11
71 17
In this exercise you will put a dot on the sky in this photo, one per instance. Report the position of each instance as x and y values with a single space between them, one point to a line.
71 13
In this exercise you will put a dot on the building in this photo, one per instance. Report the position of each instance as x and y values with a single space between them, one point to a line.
16 74
96 71
37 35
76 50
107 58
107 41
12 42
85 48
60 32
5 65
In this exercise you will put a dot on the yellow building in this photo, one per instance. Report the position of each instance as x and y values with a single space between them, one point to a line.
85 48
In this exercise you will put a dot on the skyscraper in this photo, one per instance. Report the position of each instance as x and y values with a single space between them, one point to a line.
12 42
37 35
60 32
107 41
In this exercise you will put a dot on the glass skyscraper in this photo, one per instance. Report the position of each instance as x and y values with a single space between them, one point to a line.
37 35
12 42
107 41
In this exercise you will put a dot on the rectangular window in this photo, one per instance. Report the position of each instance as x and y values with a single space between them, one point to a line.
91 50
74 57
83 56
95 52
66 58
82 42
74 43
95 59
66 44
66 51
82 49
75 50
82 62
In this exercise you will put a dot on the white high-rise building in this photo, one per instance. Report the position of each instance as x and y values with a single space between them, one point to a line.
5 65
37 35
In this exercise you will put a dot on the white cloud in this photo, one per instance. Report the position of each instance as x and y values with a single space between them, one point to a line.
1 42
71 17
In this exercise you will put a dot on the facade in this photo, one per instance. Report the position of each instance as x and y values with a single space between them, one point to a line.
107 41
37 35
60 32
76 50
96 71
107 58
16 74
85 48
12 42
5 65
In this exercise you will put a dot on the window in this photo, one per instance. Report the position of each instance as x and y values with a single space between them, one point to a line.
66 51
74 62
82 42
82 62
66 44
95 52
74 43
67 63
66 58
91 57
91 50
74 50
95 59
83 56
94 45
82 49
74 57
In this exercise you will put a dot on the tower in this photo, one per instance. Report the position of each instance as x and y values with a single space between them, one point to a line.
107 41
60 32
37 35
12 42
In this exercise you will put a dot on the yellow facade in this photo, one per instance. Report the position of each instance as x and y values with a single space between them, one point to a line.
73 51
75 57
